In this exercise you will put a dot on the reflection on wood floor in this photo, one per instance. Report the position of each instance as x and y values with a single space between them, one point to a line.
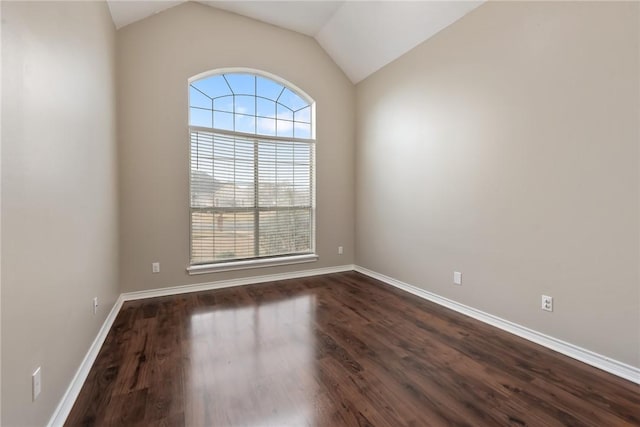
333 350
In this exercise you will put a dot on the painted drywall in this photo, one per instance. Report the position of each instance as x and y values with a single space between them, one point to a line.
156 57
506 148
59 196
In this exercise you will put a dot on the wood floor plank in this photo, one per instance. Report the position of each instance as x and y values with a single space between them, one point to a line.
334 350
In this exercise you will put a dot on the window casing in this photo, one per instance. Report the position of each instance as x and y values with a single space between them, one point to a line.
252 183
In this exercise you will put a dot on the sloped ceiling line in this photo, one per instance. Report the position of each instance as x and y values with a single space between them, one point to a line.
360 36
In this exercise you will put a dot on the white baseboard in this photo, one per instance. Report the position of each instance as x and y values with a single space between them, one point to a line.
184 289
589 357
71 394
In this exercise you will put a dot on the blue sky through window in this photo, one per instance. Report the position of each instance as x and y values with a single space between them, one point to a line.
250 104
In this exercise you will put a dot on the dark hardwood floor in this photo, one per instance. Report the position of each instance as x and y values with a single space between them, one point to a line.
334 350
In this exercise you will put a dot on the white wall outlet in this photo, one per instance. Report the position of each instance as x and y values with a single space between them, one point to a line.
95 305
547 303
457 278
340 250
155 267
36 383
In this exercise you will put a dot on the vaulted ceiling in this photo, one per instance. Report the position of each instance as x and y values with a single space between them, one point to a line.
360 36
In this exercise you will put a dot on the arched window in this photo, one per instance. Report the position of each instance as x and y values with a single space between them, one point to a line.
252 171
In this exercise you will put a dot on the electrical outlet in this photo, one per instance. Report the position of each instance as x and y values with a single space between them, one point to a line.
457 278
95 305
340 250
547 303
155 267
36 383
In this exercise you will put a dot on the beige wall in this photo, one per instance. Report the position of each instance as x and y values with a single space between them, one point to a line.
59 200
156 57
506 147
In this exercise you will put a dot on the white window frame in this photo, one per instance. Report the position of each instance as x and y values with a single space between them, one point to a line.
242 264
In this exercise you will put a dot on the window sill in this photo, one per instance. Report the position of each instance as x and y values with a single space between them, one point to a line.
252 263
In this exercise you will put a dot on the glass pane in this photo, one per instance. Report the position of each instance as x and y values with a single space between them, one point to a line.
197 99
303 115
245 105
302 153
222 120
242 84
213 86
285 128
232 235
266 153
202 189
266 126
202 237
224 103
270 240
302 175
201 161
244 182
267 191
245 123
285 152
302 197
302 237
292 100
267 174
284 113
244 150
244 196
244 235
224 147
268 88
224 177
302 130
285 232
198 117
285 187
266 108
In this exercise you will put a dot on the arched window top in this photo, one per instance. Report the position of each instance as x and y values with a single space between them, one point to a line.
250 102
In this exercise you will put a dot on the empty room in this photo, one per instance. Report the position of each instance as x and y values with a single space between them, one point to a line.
320 213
